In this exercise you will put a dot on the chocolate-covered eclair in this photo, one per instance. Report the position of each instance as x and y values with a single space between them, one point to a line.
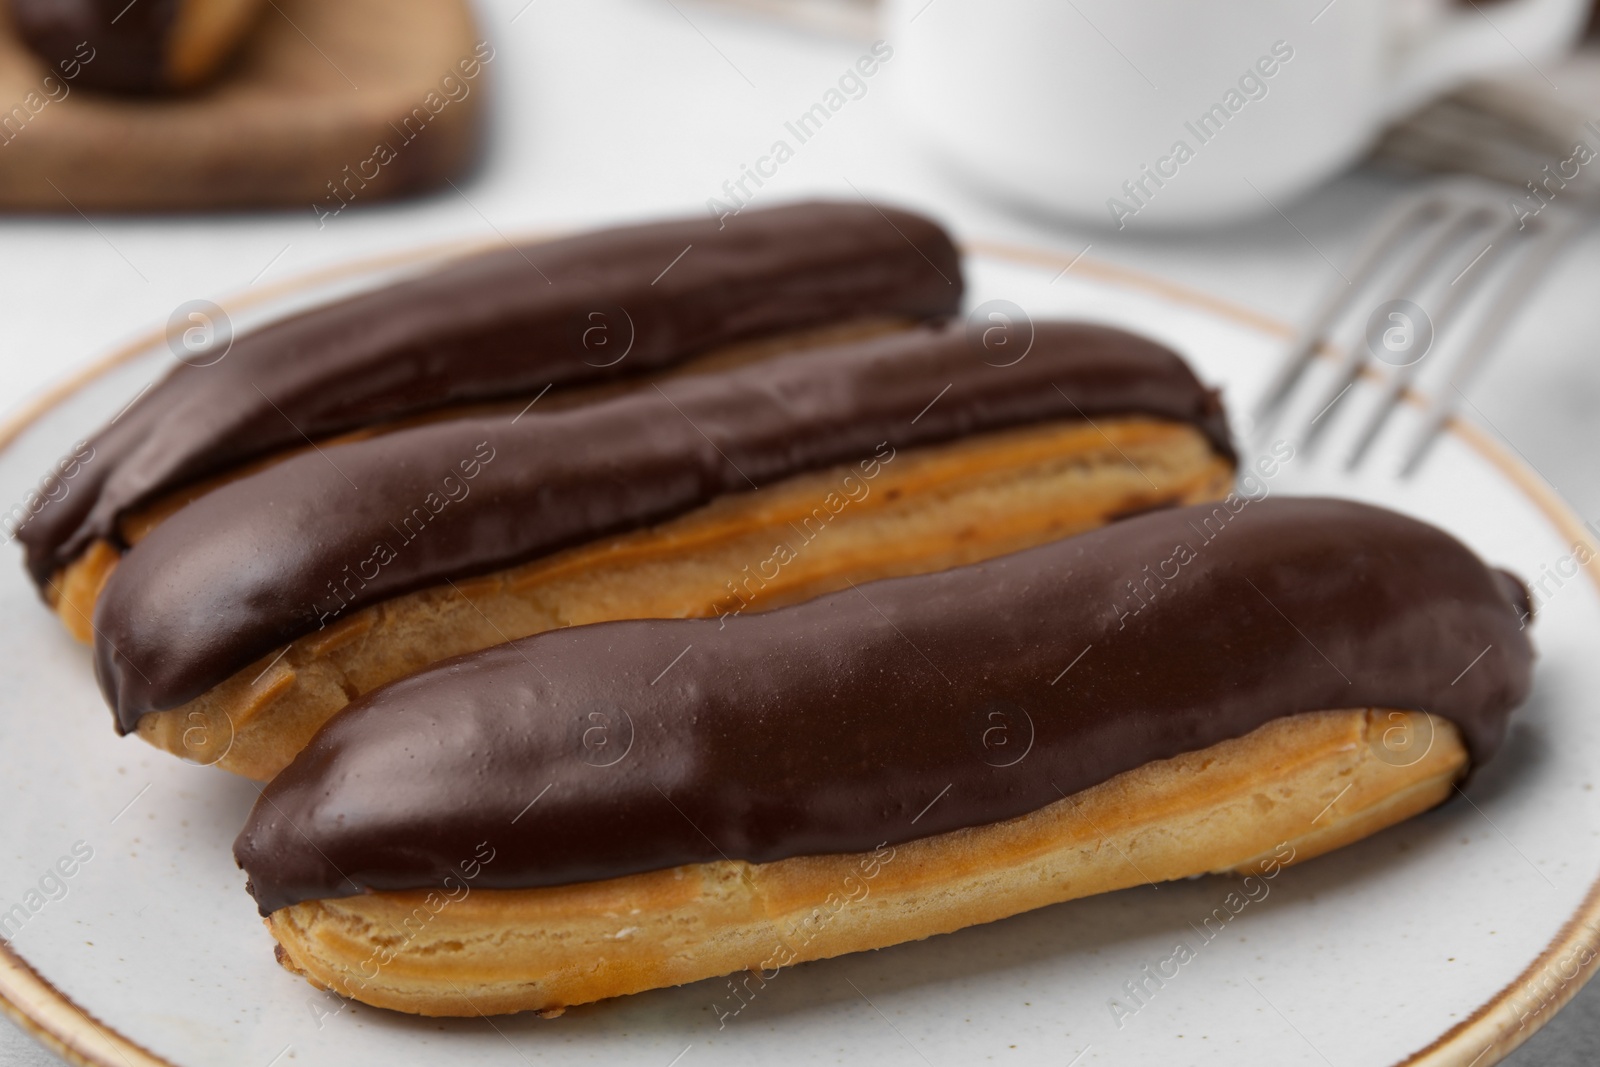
499 324
245 620
606 808
147 46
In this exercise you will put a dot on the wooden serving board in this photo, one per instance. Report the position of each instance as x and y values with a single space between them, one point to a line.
329 103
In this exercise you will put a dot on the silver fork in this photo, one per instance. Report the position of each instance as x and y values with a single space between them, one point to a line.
1458 230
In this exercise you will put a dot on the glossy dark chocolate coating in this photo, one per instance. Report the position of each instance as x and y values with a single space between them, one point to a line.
870 715
129 41
501 323
254 564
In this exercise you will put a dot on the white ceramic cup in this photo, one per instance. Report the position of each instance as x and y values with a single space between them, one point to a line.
1146 113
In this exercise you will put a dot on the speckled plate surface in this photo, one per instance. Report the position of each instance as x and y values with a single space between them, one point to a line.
1442 941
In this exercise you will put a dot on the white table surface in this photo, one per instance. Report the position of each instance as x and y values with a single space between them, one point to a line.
613 109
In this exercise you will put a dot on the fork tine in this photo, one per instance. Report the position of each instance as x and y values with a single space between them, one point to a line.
1461 209
1403 376
1397 224
1349 373
1534 262
1457 221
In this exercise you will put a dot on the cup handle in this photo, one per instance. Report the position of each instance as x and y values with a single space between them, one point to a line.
1460 44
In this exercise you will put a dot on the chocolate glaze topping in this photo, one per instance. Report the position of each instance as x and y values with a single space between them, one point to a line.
126 46
300 545
829 726
502 323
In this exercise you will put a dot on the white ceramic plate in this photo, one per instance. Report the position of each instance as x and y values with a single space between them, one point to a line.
1433 942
